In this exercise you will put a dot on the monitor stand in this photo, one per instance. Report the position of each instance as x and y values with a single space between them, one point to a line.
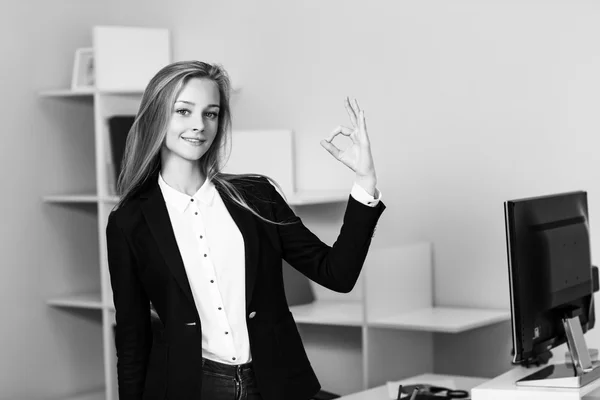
576 375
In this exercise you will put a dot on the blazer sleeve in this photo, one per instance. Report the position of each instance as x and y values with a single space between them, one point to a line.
335 267
133 330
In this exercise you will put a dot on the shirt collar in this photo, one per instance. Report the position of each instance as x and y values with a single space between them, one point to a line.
180 201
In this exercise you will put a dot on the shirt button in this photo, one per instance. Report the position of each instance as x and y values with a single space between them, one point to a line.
252 314
195 213
201 236
233 358
212 281
191 199
220 308
227 333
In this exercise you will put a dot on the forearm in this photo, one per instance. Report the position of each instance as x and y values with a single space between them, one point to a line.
350 250
337 267
133 350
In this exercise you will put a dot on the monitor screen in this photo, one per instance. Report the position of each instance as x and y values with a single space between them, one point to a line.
550 271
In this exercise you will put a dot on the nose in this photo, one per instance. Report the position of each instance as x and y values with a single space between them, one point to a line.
198 125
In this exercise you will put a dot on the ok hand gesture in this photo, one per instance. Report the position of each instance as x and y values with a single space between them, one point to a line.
357 156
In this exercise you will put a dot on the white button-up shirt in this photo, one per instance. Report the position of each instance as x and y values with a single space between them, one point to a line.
212 250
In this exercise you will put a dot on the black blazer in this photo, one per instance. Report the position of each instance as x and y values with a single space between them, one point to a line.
145 266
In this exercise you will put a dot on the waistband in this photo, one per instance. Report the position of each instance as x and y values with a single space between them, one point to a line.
226 369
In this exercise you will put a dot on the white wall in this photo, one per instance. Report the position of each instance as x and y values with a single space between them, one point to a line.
41 347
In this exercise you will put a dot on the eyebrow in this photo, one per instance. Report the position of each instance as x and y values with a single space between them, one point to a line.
193 104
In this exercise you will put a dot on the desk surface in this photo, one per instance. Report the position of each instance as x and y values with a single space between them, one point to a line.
381 392
503 387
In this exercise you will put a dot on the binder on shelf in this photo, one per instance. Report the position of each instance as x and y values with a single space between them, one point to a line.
118 126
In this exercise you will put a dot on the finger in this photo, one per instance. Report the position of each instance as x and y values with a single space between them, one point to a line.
362 124
350 111
356 107
339 130
330 147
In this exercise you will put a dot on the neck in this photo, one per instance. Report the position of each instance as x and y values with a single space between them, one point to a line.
182 175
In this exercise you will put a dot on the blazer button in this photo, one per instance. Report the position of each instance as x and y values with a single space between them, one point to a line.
252 314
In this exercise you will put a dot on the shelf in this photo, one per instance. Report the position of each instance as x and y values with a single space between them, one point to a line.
297 199
68 93
329 312
86 300
72 198
86 92
309 197
96 395
436 319
443 319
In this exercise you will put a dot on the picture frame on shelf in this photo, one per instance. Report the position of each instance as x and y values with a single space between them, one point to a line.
83 70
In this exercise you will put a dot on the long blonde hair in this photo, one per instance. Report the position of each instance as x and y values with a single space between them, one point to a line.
141 160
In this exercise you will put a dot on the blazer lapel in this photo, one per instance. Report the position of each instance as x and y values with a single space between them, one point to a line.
247 225
157 216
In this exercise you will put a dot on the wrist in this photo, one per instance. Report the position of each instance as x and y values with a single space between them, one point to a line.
368 183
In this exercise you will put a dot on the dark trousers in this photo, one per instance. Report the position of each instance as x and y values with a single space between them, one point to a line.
228 382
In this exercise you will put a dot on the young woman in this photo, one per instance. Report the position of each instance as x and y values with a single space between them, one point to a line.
205 249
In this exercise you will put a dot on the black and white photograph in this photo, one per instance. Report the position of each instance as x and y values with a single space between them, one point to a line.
311 200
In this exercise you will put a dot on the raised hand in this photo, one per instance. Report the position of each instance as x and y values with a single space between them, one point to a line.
358 155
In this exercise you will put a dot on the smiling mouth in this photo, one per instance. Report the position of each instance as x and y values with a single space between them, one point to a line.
194 140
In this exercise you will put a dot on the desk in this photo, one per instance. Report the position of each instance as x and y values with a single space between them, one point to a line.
503 387
381 392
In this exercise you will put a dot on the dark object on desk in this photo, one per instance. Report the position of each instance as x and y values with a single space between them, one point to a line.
431 392
118 127
325 395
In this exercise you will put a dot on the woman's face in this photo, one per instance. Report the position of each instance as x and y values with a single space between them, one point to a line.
194 120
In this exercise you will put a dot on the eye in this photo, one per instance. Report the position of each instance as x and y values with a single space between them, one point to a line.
212 115
183 111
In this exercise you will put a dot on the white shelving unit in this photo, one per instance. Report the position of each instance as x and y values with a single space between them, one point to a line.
395 316
104 101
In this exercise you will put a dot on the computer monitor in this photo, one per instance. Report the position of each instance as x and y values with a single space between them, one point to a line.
552 282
